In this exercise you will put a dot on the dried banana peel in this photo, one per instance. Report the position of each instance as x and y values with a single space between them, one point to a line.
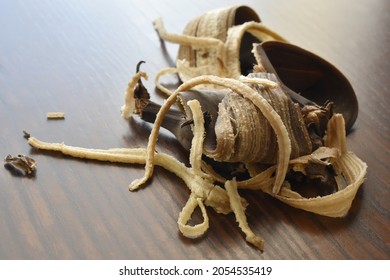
203 183
255 122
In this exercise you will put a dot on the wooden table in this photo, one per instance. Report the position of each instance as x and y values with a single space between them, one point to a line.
78 56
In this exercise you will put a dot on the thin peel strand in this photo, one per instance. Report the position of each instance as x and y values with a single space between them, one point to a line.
199 134
239 212
185 215
163 72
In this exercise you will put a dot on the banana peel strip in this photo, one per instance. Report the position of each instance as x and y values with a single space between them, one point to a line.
215 196
348 165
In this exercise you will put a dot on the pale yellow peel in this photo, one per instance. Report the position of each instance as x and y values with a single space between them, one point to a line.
163 72
185 215
129 106
239 212
353 169
214 196
55 115
199 134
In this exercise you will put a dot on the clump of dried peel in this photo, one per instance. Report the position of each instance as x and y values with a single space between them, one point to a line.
20 165
209 188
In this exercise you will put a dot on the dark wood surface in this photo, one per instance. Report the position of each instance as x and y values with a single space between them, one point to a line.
77 57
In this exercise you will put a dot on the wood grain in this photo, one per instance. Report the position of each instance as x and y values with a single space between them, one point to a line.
77 57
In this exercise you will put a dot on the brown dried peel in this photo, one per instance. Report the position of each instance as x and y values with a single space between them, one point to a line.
20 164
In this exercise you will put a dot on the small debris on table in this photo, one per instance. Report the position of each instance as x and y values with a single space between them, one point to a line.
20 165
55 115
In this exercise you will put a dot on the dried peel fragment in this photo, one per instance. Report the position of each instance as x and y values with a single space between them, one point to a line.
55 115
20 164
